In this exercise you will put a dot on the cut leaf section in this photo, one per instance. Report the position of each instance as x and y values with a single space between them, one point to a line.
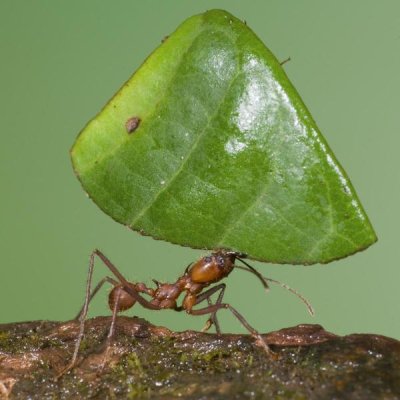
223 153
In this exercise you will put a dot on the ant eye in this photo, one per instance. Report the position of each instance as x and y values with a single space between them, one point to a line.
207 259
220 261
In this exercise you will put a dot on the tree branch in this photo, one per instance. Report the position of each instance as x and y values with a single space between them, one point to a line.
149 361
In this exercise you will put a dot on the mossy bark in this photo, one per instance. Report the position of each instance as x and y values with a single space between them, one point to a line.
145 361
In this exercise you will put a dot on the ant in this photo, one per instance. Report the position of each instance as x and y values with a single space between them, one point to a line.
195 279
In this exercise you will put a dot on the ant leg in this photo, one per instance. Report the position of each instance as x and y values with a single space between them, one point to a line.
95 290
128 287
256 335
207 295
111 331
211 321
82 319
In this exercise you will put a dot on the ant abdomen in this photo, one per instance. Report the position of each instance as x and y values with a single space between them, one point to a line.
125 300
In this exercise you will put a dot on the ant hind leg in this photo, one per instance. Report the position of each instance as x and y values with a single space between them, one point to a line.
110 332
95 290
127 287
82 317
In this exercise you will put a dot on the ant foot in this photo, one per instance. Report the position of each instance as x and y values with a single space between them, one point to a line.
64 371
207 325
105 360
259 340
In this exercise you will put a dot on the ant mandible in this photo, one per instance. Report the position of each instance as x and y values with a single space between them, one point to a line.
197 276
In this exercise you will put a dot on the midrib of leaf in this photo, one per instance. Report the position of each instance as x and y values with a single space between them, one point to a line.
174 176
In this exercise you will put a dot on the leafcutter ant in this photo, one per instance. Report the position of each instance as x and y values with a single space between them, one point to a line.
193 283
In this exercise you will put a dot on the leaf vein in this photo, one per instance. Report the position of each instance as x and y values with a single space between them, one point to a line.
184 162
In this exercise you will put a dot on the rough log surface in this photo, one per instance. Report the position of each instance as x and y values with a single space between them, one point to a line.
146 361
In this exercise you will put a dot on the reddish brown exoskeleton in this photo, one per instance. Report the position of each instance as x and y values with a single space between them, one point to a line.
196 278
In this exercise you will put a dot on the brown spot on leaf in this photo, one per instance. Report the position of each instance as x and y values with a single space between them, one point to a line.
132 124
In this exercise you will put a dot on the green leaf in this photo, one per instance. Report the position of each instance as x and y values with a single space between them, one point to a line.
226 153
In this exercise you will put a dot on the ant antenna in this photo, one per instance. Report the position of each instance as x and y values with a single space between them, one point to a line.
265 281
253 271
295 292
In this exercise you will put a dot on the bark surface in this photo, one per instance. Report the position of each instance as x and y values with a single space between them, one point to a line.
146 361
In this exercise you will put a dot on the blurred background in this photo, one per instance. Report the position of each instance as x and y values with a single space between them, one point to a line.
62 61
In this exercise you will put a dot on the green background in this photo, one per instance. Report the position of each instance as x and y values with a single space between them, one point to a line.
62 61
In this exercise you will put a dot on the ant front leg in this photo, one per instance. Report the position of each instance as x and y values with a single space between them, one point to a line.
207 296
256 335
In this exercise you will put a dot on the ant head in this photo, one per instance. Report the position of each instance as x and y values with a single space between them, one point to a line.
225 256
